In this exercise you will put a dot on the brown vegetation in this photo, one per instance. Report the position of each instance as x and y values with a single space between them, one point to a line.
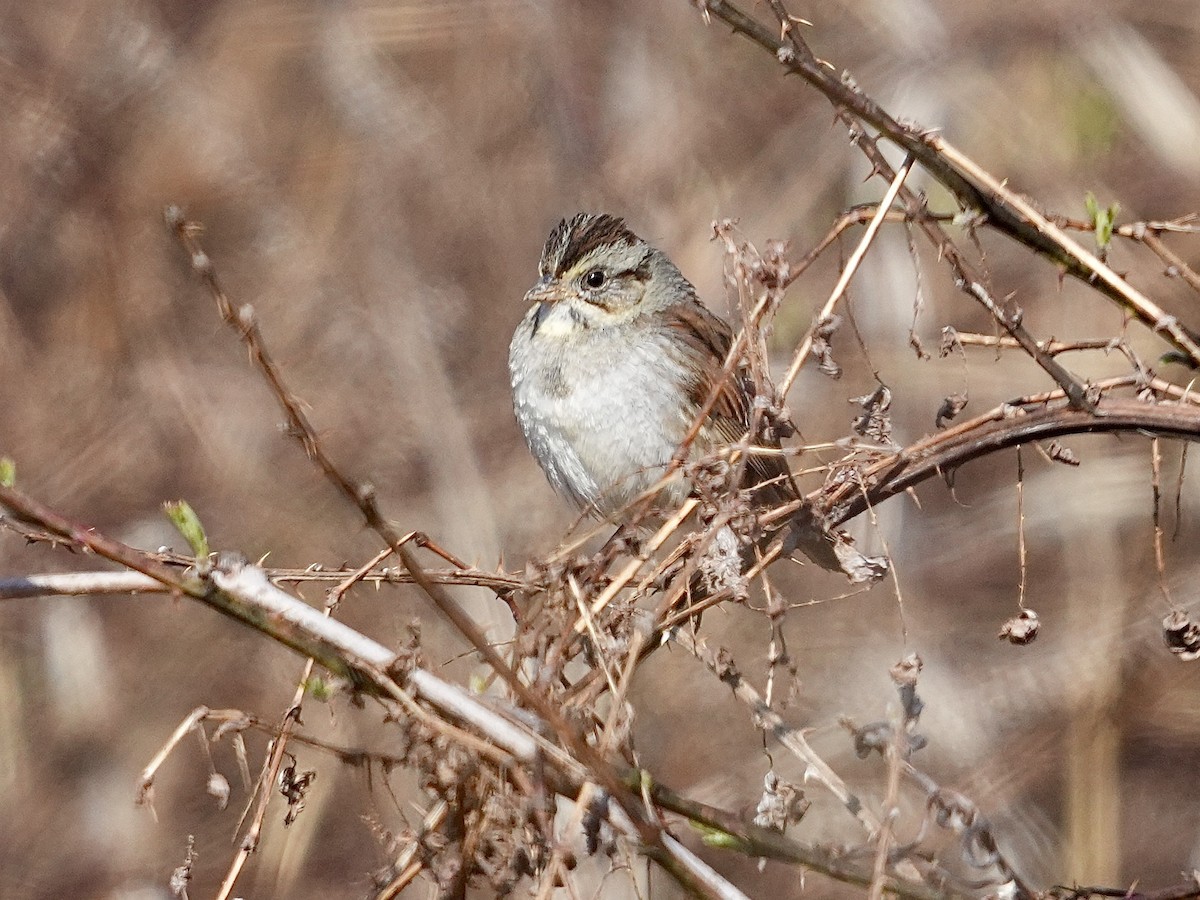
375 183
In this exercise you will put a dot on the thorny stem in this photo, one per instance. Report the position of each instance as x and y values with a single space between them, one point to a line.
974 189
363 497
1052 347
839 290
1022 557
1003 427
1156 487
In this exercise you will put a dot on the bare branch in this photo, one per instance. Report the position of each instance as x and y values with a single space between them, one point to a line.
972 186
1006 426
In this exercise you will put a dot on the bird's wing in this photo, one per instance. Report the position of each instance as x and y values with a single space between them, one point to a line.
705 340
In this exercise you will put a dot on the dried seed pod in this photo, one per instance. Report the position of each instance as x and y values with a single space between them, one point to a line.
1182 635
781 804
949 410
1022 628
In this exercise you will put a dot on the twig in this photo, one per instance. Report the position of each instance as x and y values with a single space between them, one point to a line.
80 583
339 590
1051 347
1005 426
860 214
146 782
890 810
848 271
1022 558
1160 566
971 185
768 720
1175 263
363 497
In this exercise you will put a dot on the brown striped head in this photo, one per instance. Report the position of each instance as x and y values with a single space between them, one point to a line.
596 273
574 239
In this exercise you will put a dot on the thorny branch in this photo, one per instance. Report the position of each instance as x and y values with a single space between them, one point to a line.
576 753
1021 422
242 590
977 191
1176 414
655 842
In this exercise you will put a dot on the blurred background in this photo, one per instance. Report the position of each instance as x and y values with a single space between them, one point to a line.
377 180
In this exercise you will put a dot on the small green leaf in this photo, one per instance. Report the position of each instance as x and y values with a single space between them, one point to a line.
1103 221
8 472
318 688
187 523
1104 228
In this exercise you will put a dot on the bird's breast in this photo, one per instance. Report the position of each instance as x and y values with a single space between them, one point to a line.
602 413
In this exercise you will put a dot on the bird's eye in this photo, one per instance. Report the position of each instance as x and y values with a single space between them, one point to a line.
594 278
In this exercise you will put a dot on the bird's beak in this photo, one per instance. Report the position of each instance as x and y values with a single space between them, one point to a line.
545 294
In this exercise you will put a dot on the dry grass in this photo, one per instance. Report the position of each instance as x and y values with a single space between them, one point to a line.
377 181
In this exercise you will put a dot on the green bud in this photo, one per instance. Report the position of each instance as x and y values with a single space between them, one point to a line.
187 523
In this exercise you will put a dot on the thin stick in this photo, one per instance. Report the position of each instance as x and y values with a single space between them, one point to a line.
843 281
1021 556
1175 263
971 185
339 591
1156 488
1183 455
146 783
890 811
1052 347
585 616
1148 311
769 721
78 584
855 215
631 568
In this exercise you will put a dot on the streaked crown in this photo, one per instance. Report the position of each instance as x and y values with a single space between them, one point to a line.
572 240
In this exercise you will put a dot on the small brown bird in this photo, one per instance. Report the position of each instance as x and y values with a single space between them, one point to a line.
610 368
